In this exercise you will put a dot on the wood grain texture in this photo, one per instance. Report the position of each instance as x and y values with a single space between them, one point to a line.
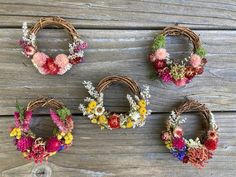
131 152
117 52
217 14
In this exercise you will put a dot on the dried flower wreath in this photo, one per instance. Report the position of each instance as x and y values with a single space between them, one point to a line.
45 64
198 151
96 112
37 148
172 70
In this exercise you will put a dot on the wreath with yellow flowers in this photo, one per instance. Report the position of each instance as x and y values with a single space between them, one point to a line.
38 148
97 113
196 152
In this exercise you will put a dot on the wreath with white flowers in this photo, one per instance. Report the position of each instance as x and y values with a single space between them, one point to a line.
196 152
97 113
38 148
180 72
45 64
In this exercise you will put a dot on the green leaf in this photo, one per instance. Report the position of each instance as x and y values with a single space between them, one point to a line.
153 75
21 111
159 42
63 113
201 52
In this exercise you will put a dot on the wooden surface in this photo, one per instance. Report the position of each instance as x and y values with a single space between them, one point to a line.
119 34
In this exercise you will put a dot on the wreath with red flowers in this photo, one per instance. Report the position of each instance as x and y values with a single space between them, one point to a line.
196 152
96 112
45 64
38 148
180 72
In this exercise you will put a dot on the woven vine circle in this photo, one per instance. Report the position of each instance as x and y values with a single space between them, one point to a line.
38 148
196 152
61 63
178 71
97 113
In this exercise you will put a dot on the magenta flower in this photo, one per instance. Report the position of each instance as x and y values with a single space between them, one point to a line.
178 143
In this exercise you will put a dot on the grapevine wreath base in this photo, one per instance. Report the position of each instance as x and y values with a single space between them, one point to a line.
45 64
180 72
38 148
97 113
198 151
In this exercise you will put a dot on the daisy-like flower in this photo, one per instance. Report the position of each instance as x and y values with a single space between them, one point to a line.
99 110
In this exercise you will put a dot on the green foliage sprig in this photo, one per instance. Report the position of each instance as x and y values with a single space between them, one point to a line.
159 42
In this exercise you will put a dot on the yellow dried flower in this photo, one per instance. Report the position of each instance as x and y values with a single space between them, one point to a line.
16 132
92 104
142 111
94 121
129 123
102 119
142 103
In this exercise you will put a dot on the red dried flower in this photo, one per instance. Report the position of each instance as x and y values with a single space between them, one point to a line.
190 72
38 152
185 159
76 60
211 144
53 144
159 64
199 70
178 143
114 121
50 67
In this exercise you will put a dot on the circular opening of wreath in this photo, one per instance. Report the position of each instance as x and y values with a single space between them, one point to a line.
196 152
40 148
178 71
44 63
98 114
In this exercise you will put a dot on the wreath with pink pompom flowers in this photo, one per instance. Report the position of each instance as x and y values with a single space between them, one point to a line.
61 63
38 148
195 152
180 72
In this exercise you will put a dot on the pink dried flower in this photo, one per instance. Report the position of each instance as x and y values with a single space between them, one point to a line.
57 120
195 60
17 119
181 82
165 75
178 132
161 54
53 144
165 136
61 60
27 120
39 59
24 143
29 50
152 57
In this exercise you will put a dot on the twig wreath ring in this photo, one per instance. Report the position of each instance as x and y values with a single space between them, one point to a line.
38 148
196 152
97 113
180 72
45 64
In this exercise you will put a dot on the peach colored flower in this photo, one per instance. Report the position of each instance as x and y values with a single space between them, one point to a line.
61 60
178 132
39 59
161 54
195 60
42 70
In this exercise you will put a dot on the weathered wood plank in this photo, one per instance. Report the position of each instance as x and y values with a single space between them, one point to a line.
218 14
136 152
117 52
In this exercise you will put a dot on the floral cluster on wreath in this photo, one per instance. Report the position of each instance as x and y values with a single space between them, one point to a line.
168 70
36 148
97 113
195 152
48 65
